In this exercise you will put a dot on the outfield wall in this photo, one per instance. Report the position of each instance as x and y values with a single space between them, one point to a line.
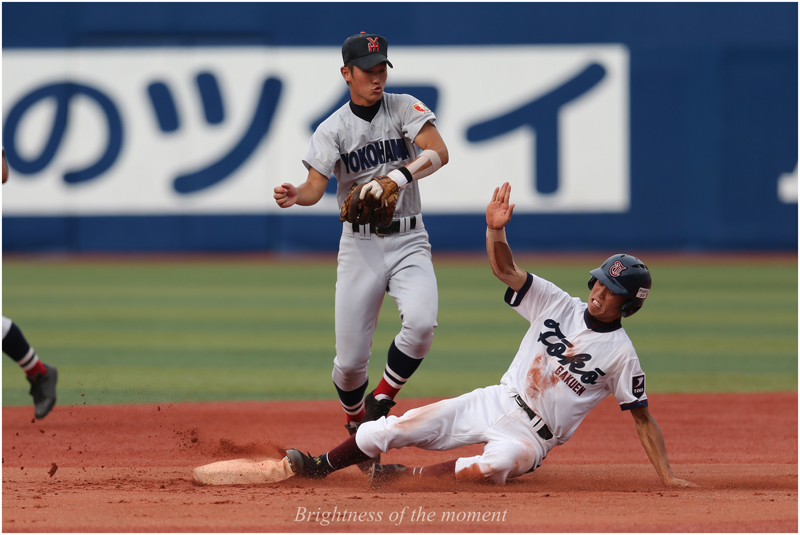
625 126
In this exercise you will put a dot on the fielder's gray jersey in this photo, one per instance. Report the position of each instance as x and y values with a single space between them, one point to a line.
354 150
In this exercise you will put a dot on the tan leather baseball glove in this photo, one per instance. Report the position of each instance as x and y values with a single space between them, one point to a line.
387 202
357 210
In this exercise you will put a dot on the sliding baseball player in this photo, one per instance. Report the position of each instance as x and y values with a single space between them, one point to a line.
573 356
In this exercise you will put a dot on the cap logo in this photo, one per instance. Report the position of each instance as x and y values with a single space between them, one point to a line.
616 269
373 44
642 293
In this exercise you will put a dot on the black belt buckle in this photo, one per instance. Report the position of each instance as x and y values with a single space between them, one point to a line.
378 231
384 231
392 228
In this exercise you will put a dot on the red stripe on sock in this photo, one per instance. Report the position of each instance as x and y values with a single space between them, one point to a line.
357 418
39 368
386 389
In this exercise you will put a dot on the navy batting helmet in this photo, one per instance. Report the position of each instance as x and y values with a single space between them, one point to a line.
627 276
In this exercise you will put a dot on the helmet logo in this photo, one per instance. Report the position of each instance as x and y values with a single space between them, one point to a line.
642 293
616 269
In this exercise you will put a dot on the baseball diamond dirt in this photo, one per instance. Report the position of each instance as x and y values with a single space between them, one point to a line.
128 468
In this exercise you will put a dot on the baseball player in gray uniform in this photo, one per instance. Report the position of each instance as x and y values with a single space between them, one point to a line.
573 355
41 376
372 135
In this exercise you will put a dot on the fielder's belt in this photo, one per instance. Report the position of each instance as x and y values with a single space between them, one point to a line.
393 228
543 431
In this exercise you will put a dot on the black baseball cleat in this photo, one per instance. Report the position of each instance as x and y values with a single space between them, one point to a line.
375 408
307 466
43 390
386 473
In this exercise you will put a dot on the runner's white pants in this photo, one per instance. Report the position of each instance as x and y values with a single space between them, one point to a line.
486 415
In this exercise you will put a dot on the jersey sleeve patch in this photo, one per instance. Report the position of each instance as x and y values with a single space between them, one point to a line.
422 108
637 385
514 298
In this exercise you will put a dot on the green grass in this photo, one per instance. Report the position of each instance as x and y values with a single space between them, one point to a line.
169 331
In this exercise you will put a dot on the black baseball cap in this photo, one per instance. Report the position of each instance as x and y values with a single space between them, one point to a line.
365 50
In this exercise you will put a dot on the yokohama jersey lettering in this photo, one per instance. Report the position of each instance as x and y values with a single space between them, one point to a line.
375 154
354 150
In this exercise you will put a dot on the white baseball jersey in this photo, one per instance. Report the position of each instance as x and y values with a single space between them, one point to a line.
355 150
562 370
563 367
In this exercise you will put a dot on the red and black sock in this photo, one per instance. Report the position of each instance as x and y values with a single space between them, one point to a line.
346 454
16 346
353 402
447 468
399 368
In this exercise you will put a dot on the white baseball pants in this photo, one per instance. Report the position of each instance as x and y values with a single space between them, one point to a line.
486 415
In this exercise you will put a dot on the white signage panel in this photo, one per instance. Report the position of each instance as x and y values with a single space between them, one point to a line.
204 130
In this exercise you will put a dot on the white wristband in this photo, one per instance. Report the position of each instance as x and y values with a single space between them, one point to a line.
399 178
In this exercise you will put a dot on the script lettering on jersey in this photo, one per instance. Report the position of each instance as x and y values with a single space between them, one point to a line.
375 154
569 363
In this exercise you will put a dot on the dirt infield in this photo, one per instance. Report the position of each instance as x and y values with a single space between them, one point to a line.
128 469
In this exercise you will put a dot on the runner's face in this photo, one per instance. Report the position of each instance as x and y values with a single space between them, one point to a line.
604 305
366 86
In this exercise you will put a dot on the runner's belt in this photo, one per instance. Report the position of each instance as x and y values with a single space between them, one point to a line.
543 431
393 228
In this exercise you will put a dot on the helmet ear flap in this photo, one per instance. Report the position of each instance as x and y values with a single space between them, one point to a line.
629 308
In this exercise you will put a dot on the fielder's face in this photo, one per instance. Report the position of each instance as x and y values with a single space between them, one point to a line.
366 86
604 305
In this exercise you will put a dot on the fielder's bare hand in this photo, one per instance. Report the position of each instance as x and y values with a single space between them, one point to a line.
285 195
498 213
